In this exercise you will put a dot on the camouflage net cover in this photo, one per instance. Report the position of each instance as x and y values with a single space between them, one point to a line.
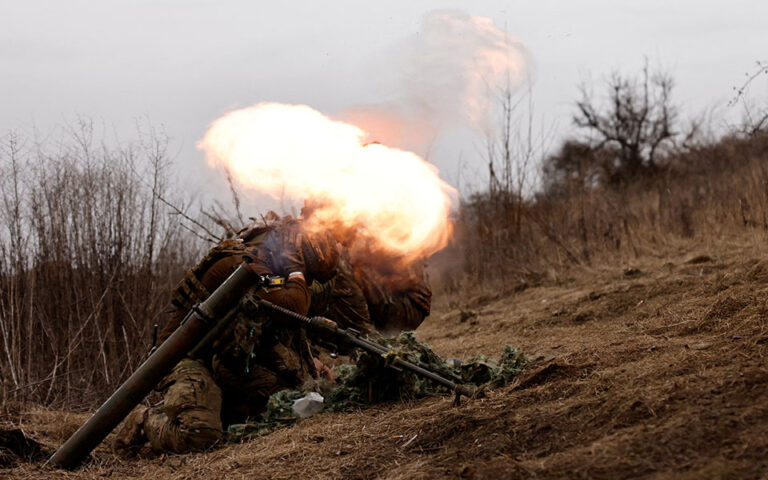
371 381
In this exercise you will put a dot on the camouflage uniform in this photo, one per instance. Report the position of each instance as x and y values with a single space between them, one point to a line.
369 299
342 300
371 291
397 301
248 363
189 417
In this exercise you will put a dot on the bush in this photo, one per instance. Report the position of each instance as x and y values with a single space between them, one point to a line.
88 258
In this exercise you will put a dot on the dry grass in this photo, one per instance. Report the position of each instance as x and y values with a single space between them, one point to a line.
657 374
703 193
642 307
88 255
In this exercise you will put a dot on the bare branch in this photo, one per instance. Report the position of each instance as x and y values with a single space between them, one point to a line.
183 214
633 124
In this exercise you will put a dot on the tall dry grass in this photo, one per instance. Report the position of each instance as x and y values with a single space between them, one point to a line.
713 190
89 253
90 249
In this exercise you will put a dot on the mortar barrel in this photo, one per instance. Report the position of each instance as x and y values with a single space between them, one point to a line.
158 365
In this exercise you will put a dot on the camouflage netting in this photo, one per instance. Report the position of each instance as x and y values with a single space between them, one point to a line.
371 381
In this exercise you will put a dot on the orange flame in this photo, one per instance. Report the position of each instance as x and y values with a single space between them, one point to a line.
391 196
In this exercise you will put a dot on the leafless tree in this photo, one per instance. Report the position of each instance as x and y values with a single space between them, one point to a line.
89 249
512 150
635 122
755 118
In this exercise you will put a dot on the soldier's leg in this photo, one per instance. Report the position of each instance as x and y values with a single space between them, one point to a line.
130 433
246 394
190 418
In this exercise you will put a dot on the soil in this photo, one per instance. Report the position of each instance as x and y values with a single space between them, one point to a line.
660 373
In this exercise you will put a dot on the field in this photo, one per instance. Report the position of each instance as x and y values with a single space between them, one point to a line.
601 211
650 370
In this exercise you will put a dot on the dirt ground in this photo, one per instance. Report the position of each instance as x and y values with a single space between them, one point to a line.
654 369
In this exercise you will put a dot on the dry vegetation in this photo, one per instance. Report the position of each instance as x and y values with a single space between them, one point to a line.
88 255
634 180
706 191
658 373
636 281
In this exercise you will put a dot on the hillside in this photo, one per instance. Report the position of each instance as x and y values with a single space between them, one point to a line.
650 370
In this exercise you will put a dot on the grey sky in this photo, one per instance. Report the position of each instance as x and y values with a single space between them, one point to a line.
184 63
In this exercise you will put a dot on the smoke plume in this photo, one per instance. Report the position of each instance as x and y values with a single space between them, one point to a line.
391 196
448 75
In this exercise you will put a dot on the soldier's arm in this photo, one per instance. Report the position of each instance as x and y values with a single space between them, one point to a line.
211 279
294 295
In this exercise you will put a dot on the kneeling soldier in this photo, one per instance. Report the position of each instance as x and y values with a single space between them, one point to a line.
252 359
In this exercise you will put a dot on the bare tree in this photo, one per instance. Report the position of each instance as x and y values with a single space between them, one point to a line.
90 246
755 119
635 122
512 150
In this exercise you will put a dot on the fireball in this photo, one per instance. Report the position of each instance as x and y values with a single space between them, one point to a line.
390 196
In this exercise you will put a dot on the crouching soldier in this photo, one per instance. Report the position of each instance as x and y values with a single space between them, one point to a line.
397 300
372 299
253 359
373 291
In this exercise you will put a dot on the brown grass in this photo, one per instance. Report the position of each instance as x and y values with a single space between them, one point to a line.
642 307
702 193
88 255
660 374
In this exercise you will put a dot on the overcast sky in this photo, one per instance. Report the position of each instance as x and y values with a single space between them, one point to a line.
183 63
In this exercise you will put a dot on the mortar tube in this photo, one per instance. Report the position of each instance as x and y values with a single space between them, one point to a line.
193 328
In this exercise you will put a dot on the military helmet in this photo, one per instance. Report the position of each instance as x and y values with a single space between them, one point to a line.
321 255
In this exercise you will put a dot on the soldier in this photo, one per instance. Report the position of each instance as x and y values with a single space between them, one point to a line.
397 301
341 299
372 291
373 296
253 359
